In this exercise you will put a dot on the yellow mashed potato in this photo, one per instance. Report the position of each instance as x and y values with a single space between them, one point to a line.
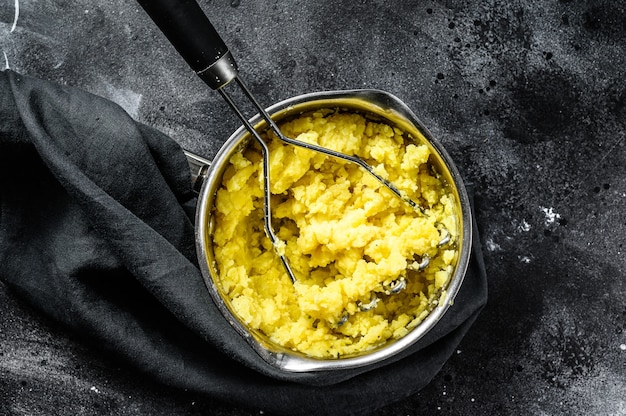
347 237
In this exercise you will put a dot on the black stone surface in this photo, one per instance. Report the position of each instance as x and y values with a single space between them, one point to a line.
527 96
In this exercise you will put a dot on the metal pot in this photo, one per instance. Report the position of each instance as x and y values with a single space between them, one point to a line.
372 103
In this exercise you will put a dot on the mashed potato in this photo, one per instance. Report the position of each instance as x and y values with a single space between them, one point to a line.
348 239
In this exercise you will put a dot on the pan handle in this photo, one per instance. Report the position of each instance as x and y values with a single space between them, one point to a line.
186 26
199 167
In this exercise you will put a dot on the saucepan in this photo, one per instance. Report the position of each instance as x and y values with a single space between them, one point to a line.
185 25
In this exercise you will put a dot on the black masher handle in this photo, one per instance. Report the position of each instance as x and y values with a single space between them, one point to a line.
189 30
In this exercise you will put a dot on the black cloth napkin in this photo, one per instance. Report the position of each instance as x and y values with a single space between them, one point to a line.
96 231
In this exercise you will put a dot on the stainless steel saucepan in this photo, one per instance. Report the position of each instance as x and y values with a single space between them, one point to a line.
186 26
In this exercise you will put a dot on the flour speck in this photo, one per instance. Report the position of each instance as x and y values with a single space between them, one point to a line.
551 215
491 245
524 226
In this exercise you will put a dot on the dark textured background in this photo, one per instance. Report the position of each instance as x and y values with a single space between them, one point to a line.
527 96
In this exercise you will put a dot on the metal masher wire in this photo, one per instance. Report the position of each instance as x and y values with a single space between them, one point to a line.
267 211
267 214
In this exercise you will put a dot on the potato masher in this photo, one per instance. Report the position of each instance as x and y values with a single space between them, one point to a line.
189 30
